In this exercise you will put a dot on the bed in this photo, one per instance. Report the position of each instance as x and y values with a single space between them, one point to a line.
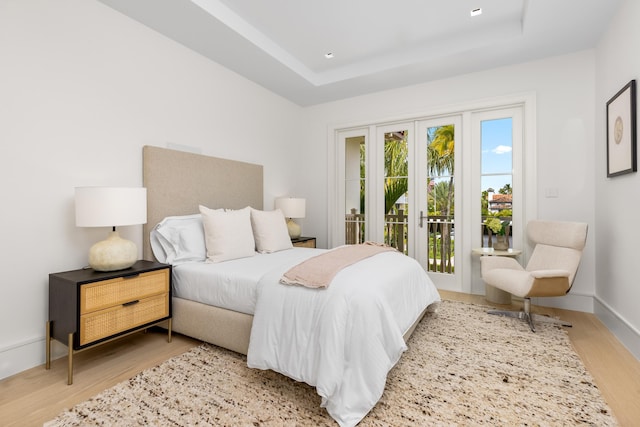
349 369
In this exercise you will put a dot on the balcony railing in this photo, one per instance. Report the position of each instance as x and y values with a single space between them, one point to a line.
395 229
440 229
354 228
441 232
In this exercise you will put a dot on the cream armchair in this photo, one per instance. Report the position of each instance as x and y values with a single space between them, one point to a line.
549 272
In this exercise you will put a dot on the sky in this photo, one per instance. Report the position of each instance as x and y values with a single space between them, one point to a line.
496 153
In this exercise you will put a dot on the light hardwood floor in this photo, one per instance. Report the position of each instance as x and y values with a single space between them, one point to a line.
37 395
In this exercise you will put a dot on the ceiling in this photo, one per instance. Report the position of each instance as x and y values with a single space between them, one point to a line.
376 44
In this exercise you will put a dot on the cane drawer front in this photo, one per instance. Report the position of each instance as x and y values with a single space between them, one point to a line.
122 290
113 320
304 242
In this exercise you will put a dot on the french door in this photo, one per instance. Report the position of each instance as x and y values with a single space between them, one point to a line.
499 171
398 189
375 195
426 186
438 166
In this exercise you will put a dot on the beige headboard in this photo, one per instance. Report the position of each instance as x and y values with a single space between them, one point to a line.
177 182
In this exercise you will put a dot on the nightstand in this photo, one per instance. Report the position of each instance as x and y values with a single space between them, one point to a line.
88 307
304 242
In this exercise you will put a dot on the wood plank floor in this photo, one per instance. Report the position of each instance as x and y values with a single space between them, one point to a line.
37 395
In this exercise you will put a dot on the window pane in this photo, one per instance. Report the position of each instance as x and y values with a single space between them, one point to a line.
440 198
355 190
497 145
497 175
396 181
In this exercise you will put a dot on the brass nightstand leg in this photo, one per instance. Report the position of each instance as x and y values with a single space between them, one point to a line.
70 360
48 346
169 329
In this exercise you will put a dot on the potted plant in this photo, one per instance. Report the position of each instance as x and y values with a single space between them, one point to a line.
499 229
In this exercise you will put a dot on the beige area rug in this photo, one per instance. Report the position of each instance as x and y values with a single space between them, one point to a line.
463 367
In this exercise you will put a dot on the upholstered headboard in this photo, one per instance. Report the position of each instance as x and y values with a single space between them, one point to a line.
177 182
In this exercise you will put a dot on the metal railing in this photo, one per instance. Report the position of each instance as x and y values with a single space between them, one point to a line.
441 232
395 229
440 229
354 228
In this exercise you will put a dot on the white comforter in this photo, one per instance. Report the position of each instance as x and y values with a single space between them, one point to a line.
344 339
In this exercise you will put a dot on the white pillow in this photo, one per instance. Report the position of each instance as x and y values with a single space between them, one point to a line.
228 234
270 231
178 239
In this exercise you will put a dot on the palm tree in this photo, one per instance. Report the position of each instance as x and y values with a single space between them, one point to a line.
437 197
441 162
396 169
506 189
441 158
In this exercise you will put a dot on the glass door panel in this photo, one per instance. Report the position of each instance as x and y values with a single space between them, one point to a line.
497 136
352 198
355 188
394 201
437 160
496 139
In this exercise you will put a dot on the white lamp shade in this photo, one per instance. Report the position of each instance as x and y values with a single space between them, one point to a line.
291 207
110 206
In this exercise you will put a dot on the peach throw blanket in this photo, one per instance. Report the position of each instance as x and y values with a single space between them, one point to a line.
319 271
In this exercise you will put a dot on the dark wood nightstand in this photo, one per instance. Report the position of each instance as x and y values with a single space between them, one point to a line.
87 307
304 242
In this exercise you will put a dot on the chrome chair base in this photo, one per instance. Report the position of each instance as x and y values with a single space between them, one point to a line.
529 317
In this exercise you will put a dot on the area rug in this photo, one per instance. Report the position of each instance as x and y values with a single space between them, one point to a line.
463 367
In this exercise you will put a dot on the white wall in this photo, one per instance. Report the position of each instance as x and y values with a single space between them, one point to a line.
617 204
82 89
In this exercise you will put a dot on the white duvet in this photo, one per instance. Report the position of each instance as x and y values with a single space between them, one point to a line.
344 339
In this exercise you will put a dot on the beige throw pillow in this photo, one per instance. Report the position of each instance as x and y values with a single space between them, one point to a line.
228 234
270 231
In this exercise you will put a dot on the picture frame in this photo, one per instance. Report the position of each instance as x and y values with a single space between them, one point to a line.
621 132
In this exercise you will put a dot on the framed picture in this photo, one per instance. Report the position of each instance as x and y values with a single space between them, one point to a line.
621 131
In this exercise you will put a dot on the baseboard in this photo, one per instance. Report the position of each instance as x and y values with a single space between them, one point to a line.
623 330
571 301
21 356
450 287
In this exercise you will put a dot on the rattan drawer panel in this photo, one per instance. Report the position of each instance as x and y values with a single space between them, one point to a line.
311 243
108 293
104 323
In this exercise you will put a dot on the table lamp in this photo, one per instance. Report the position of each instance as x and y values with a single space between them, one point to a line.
291 208
111 207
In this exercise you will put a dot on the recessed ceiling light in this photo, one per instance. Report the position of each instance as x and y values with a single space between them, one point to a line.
328 55
476 12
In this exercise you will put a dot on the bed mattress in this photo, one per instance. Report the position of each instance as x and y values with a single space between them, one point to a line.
231 284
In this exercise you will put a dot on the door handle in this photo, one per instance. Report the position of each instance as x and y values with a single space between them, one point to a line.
422 217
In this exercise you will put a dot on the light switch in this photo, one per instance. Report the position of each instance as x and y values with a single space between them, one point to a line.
551 192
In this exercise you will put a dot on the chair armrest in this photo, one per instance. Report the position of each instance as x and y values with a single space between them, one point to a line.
548 274
488 263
